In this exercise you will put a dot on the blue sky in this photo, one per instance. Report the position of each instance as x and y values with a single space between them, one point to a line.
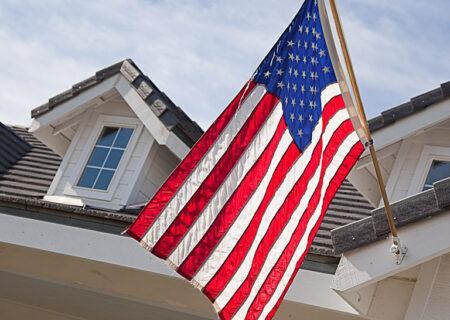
201 52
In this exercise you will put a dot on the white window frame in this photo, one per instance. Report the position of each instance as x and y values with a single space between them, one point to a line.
102 122
429 154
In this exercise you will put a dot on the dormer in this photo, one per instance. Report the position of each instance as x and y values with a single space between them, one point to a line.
118 135
413 147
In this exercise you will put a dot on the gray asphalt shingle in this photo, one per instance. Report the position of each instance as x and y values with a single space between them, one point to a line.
31 174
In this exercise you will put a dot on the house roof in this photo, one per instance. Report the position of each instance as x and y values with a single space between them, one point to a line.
171 115
12 147
27 180
406 211
411 107
31 164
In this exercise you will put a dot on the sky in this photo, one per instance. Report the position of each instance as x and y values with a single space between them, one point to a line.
200 52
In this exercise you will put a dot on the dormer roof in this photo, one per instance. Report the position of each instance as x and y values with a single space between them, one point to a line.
172 116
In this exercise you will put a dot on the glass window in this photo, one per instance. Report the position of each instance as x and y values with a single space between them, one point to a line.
105 158
439 170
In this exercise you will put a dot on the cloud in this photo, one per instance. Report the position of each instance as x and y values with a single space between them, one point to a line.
201 52
399 48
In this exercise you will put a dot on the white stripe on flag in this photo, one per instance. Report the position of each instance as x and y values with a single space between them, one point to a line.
329 93
218 257
335 164
228 242
277 201
232 181
203 168
280 244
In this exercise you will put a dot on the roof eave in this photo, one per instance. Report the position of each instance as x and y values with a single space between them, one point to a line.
406 211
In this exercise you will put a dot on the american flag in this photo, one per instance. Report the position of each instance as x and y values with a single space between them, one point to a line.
238 215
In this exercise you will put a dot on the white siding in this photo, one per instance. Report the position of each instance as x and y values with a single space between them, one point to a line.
69 171
438 304
391 298
160 163
438 136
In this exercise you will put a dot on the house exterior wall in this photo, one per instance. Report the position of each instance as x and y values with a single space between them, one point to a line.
437 306
63 188
408 179
158 165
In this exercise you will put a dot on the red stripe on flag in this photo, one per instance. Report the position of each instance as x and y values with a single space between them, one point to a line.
233 261
193 208
275 228
148 215
220 279
277 272
339 177
334 105
231 209
284 214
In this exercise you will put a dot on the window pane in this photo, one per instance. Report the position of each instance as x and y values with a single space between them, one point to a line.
123 137
439 170
107 136
106 155
104 179
88 177
98 156
113 159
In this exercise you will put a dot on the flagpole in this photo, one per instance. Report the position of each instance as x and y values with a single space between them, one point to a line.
396 248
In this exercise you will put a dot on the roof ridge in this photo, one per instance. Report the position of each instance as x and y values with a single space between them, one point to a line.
415 104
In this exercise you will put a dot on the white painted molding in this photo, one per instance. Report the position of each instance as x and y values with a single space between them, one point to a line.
429 153
103 120
403 128
425 239
398 165
150 120
75 104
422 289
311 288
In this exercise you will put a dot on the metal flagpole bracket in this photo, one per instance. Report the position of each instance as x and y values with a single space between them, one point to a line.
398 250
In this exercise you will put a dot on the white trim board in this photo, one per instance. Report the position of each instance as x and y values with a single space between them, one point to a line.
311 288
72 106
150 120
425 239
429 153
403 128
101 122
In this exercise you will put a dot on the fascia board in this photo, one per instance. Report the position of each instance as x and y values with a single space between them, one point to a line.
411 125
96 246
156 128
425 240
70 106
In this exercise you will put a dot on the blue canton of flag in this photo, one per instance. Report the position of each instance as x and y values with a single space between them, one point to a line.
296 70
